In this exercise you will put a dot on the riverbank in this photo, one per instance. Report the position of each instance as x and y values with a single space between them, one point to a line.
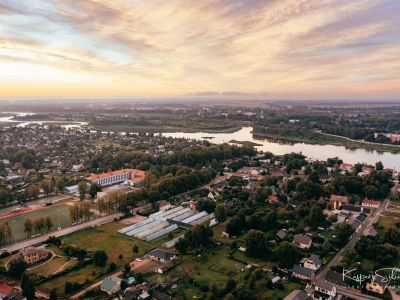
319 138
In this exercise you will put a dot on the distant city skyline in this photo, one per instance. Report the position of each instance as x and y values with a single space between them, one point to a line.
222 49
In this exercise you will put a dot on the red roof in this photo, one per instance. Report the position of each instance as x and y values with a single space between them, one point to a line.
346 165
5 289
134 172
371 202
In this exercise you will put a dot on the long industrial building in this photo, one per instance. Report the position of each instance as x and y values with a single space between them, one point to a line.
164 222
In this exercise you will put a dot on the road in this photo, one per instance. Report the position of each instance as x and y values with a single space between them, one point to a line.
40 239
369 222
357 141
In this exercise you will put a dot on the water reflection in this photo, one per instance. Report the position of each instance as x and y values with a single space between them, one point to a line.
321 152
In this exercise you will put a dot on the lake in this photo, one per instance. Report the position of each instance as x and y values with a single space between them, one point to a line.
317 152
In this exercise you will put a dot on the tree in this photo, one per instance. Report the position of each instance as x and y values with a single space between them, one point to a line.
256 244
234 226
82 188
182 246
287 253
93 190
206 204
16 268
28 227
27 286
53 294
48 223
379 166
343 232
135 249
220 213
100 258
316 217
392 235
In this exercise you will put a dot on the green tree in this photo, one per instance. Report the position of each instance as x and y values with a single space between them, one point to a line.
256 244
100 258
27 286
206 204
288 254
220 213
28 227
82 188
16 268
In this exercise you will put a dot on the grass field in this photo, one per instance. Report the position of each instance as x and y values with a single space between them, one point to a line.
59 215
53 266
104 238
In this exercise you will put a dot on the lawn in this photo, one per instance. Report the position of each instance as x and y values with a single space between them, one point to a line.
55 265
104 238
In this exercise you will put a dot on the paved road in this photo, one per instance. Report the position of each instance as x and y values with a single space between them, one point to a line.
369 222
37 240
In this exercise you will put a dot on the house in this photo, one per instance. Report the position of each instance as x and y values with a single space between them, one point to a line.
281 234
370 203
164 205
272 198
353 208
6 291
378 284
32 255
161 255
302 241
296 295
162 296
324 290
213 195
313 262
71 190
144 295
302 273
337 201
358 221
111 285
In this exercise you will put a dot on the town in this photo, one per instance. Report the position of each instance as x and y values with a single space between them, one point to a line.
89 214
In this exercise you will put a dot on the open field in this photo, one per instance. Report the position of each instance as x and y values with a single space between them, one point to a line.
58 213
57 264
104 238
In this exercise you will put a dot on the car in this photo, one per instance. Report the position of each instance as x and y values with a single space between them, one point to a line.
138 259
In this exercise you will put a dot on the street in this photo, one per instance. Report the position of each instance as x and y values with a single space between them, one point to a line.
369 222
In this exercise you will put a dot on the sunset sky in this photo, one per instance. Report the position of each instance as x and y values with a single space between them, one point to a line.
252 49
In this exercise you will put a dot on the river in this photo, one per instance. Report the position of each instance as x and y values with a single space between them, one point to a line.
317 152
63 124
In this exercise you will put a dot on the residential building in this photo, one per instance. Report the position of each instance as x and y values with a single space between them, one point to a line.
358 221
164 205
281 234
338 201
297 295
302 273
313 262
32 255
6 291
111 285
370 203
324 291
302 241
161 255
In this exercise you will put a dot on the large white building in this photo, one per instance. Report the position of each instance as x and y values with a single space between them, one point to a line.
131 177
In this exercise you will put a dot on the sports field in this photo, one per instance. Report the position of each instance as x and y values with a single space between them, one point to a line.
59 216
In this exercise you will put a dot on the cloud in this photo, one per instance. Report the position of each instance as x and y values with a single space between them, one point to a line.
322 48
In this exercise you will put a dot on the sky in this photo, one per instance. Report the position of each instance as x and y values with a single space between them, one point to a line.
248 49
